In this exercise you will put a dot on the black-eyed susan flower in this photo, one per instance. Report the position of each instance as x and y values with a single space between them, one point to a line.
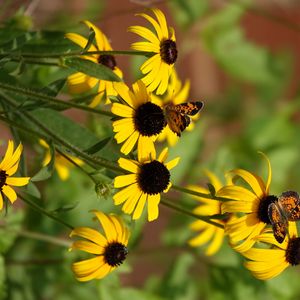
61 164
176 93
208 234
162 43
80 82
9 166
250 206
148 179
266 263
110 248
140 120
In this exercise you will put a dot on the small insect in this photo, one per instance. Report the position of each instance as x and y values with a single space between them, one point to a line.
177 116
286 208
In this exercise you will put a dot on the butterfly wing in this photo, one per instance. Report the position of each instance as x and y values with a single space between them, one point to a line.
278 221
177 116
176 121
290 204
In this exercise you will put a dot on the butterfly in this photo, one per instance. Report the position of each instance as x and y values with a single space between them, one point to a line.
177 116
286 208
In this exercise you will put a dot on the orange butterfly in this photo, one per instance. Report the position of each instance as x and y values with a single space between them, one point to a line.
177 116
286 208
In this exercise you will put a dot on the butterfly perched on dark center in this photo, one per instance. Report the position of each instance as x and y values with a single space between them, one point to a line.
286 208
177 115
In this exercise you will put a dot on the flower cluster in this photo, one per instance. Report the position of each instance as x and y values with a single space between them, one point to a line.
156 108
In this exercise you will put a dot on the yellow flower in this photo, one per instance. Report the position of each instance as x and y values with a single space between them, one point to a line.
110 249
147 180
9 166
61 164
162 43
80 82
251 205
141 120
176 94
208 207
267 263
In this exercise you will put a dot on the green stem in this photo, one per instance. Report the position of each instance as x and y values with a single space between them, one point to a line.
203 195
40 237
37 62
206 219
42 97
101 162
44 211
78 53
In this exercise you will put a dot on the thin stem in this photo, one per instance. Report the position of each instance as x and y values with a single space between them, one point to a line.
203 195
76 53
42 97
37 62
44 211
39 236
94 160
207 219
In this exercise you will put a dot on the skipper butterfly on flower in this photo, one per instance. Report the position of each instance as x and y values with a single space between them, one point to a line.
286 208
177 116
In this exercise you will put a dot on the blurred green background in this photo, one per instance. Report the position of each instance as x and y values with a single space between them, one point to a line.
242 58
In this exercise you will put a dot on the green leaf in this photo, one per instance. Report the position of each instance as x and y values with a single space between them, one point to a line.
90 41
18 41
98 146
47 171
92 69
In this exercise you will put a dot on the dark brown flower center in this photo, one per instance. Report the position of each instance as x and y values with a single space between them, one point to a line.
262 212
292 254
3 177
115 253
154 177
107 60
168 51
149 119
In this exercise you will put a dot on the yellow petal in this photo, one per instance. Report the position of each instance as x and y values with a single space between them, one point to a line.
90 234
88 247
129 143
122 110
124 180
129 165
107 225
140 206
172 163
145 33
216 243
163 155
79 40
8 155
153 211
9 193
146 149
131 203
162 22
17 181
125 193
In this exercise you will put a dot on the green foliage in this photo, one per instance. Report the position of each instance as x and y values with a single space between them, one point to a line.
90 68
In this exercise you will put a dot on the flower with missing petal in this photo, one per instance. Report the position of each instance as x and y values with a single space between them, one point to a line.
140 120
162 43
148 179
110 248
266 263
208 233
9 166
250 206
80 82
61 164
